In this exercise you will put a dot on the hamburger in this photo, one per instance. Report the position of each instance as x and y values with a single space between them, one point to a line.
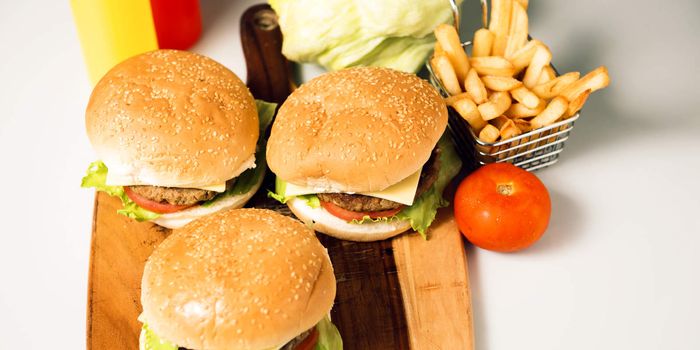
247 279
359 154
176 134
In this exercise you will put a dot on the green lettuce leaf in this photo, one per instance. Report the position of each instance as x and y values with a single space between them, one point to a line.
280 196
311 200
422 213
279 193
148 340
328 336
251 177
96 177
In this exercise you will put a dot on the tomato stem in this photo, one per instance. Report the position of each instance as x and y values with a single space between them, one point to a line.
505 189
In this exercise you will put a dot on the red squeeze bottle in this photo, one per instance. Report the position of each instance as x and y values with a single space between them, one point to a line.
178 23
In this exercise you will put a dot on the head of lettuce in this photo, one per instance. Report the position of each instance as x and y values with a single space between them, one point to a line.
177 135
344 33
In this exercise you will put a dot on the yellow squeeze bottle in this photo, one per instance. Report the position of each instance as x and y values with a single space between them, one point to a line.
111 31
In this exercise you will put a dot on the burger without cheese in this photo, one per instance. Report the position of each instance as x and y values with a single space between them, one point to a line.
360 153
176 134
247 279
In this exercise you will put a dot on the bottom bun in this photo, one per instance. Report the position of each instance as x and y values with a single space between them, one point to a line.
182 218
323 221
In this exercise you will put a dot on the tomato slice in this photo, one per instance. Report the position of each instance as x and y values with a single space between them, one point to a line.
349 215
156 207
309 342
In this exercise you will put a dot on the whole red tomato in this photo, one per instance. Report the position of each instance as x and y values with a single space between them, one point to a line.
502 207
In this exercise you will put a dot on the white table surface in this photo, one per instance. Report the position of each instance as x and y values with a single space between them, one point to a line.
617 268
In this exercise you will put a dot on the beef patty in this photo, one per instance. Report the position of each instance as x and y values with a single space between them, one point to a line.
173 195
358 202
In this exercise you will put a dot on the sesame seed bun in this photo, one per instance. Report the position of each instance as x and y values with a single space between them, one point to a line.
323 221
356 130
239 279
172 118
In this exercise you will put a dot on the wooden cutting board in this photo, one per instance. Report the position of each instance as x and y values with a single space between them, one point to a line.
394 294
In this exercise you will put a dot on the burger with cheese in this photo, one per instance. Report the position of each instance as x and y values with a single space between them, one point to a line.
360 153
176 134
247 279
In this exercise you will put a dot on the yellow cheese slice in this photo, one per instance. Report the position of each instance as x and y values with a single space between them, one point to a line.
402 192
113 180
215 188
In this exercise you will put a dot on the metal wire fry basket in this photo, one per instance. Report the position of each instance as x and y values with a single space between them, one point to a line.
533 150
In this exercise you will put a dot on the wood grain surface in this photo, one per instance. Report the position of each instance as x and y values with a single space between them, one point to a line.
390 293
119 249
368 307
434 281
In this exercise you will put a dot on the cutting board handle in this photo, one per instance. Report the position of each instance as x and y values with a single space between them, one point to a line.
268 71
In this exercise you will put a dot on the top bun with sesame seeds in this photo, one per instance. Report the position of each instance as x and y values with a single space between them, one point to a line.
173 119
356 130
239 279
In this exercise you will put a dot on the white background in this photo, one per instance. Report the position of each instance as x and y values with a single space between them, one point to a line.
617 269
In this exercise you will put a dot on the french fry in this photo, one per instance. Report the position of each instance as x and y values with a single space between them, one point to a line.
499 121
483 41
517 35
497 104
540 59
448 38
525 96
451 99
499 23
496 83
438 50
522 57
518 110
448 77
547 74
523 125
468 110
524 3
492 65
577 103
475 87
595 80
509 130
554 110
555 86
489 133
